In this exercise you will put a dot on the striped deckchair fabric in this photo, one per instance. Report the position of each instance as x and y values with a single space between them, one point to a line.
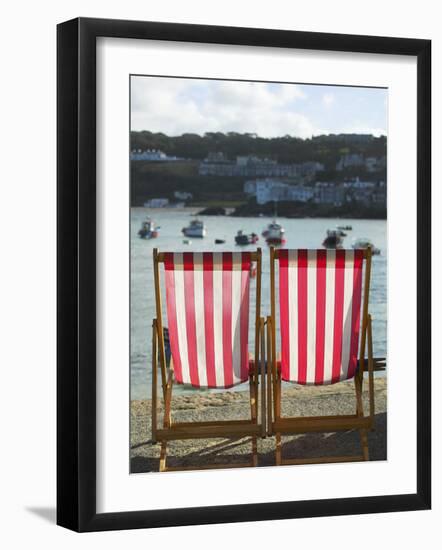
320 314
207 299
207 305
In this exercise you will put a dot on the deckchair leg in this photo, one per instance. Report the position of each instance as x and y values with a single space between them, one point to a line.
358 390
163 456
364 444
253 411
360 412
254 451
167 421
278 454
154 381
253 414
370 371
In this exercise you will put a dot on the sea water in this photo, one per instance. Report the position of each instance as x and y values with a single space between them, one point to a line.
300 233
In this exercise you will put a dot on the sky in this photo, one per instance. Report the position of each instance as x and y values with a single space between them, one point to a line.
176 106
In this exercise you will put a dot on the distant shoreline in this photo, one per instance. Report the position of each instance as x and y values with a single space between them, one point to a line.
301 210
268 213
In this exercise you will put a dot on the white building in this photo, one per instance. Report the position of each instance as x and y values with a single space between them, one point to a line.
216 156
328 193
268 190
183 195
374 164
310 168
151 155
350 161
371 164
252 159
300 193
157 203
252 166
358 184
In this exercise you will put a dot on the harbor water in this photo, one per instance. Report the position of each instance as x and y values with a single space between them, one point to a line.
300 233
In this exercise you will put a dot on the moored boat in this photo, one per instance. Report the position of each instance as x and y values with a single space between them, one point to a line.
344 227
274 233
195 229
365 243
245 239
148 230
333 239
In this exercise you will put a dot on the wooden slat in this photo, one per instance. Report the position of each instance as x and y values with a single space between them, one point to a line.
236 431
324 417
215 423
322 460
209 467
379 364
320 424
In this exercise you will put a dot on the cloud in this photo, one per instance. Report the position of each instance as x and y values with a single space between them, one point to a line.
328 99
364 129
176 106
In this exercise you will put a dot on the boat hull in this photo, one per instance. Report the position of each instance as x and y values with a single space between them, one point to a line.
332 242
275 240
244 240
195 233
147 234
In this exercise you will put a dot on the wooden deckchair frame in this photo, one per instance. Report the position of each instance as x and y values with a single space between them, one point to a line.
229 429
279 425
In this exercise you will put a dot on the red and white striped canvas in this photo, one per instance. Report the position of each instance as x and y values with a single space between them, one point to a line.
207 298
320 314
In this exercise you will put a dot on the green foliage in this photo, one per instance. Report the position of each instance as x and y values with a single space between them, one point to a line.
285 149
160 179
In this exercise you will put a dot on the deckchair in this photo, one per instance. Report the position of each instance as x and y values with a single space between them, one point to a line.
207 304
324 326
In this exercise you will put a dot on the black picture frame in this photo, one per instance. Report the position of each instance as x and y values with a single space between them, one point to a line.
76 273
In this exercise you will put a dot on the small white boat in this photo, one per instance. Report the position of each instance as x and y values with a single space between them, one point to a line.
195 229
365 243
274 233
